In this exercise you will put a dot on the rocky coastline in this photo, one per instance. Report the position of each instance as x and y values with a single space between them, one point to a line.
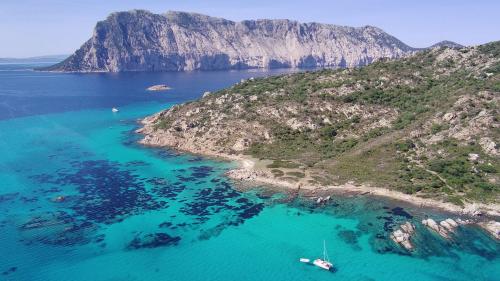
250 173
356 131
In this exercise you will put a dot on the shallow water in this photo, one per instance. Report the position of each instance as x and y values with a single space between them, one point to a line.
135 213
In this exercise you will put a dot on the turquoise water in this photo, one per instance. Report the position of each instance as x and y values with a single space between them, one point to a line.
135 213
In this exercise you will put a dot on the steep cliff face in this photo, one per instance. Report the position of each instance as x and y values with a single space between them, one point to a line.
177 41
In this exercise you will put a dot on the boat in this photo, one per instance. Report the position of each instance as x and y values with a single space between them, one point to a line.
114 109
304 260
325 262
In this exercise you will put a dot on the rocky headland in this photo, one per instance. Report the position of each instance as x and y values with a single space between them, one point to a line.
178 41
421 129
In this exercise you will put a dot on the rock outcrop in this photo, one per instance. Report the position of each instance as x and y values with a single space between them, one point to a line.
402 235
493 227
160 87
178 41
444 228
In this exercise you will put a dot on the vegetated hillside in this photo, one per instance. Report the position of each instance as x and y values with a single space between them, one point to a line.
427 124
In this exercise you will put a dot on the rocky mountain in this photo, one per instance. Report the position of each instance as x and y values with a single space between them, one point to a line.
427 124
446 43
178 41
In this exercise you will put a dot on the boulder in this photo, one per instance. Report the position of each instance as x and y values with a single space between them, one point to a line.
408 228
322 200
446 226
432 224
493 228
451 222
473 156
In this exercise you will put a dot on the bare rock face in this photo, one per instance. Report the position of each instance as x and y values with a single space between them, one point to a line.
178 41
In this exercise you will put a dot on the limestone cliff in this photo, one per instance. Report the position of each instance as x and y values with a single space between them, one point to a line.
178 41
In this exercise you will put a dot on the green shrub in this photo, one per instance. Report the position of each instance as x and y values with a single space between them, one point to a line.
283 164
296 174
405 145
436 128
485 168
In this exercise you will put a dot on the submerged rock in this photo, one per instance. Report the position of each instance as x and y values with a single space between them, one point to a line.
153 240
402 236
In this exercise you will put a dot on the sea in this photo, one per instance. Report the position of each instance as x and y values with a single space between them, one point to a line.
81 200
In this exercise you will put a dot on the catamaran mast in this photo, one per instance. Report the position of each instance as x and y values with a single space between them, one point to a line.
325 254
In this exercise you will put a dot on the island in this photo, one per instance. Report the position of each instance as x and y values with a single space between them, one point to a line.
139 40
423 129
160 87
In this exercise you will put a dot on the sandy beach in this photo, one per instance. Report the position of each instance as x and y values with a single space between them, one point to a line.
259 175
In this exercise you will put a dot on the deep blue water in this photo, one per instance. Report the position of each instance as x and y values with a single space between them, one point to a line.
81 200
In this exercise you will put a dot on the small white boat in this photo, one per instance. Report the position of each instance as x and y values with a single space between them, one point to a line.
114 109
304 260
325 262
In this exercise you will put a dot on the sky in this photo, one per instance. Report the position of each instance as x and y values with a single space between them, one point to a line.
49 27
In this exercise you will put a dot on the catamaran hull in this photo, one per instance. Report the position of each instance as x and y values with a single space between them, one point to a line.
323 264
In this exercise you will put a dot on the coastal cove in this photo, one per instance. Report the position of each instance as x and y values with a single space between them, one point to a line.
252 171
79 193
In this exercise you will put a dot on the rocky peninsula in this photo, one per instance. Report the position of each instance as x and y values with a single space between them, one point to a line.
420 129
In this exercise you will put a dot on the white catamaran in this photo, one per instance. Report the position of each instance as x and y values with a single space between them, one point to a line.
325 262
